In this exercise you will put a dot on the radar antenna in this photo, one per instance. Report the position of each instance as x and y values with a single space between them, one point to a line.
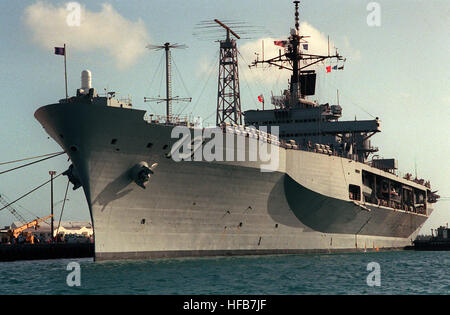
303 79
169 98
228 97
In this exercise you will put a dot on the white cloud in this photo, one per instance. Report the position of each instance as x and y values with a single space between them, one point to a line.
262 73
205 66
106 31
318 42
353 54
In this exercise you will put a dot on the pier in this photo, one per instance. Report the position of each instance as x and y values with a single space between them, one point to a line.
45 251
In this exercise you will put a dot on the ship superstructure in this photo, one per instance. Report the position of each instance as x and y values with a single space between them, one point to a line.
311 126
322 195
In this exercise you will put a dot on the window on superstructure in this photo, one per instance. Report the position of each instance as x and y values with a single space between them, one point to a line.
354 192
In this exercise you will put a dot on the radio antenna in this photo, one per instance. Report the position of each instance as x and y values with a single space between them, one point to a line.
169 98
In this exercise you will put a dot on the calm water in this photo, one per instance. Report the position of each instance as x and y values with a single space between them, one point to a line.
404 272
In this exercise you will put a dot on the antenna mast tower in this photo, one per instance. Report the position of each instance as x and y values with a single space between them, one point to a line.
294 59
228 97
169 98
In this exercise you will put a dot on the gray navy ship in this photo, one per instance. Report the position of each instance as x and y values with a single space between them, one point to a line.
325 193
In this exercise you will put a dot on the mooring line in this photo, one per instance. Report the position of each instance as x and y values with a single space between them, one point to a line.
62 209
30 158
15 168
30 191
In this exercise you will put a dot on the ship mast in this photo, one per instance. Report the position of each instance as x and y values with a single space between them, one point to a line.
292 60
169 98
296 57
228 96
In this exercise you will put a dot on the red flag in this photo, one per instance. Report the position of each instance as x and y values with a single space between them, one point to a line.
281 43
329 69
260 98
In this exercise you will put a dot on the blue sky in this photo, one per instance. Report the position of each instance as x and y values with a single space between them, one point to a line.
398 71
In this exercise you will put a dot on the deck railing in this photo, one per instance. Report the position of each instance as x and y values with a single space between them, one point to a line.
173 120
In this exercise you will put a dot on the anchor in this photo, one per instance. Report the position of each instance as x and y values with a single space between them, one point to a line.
141 172
73 177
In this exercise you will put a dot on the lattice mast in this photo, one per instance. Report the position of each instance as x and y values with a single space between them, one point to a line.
228 97
169 98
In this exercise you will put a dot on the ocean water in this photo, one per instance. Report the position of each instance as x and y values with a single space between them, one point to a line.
400 272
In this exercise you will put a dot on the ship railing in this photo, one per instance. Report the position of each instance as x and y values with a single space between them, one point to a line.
396 205
293 145
416 180
172 120
407 176
250 133
274 140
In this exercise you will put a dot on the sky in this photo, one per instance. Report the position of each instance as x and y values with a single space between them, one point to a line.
397 69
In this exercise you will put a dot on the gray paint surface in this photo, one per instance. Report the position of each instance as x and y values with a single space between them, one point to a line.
214 208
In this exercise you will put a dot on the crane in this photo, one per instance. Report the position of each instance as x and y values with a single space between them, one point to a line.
16 232
13 211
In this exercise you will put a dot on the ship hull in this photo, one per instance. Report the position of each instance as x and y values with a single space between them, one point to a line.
198 208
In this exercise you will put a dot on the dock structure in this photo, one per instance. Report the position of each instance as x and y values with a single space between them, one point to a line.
45 251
